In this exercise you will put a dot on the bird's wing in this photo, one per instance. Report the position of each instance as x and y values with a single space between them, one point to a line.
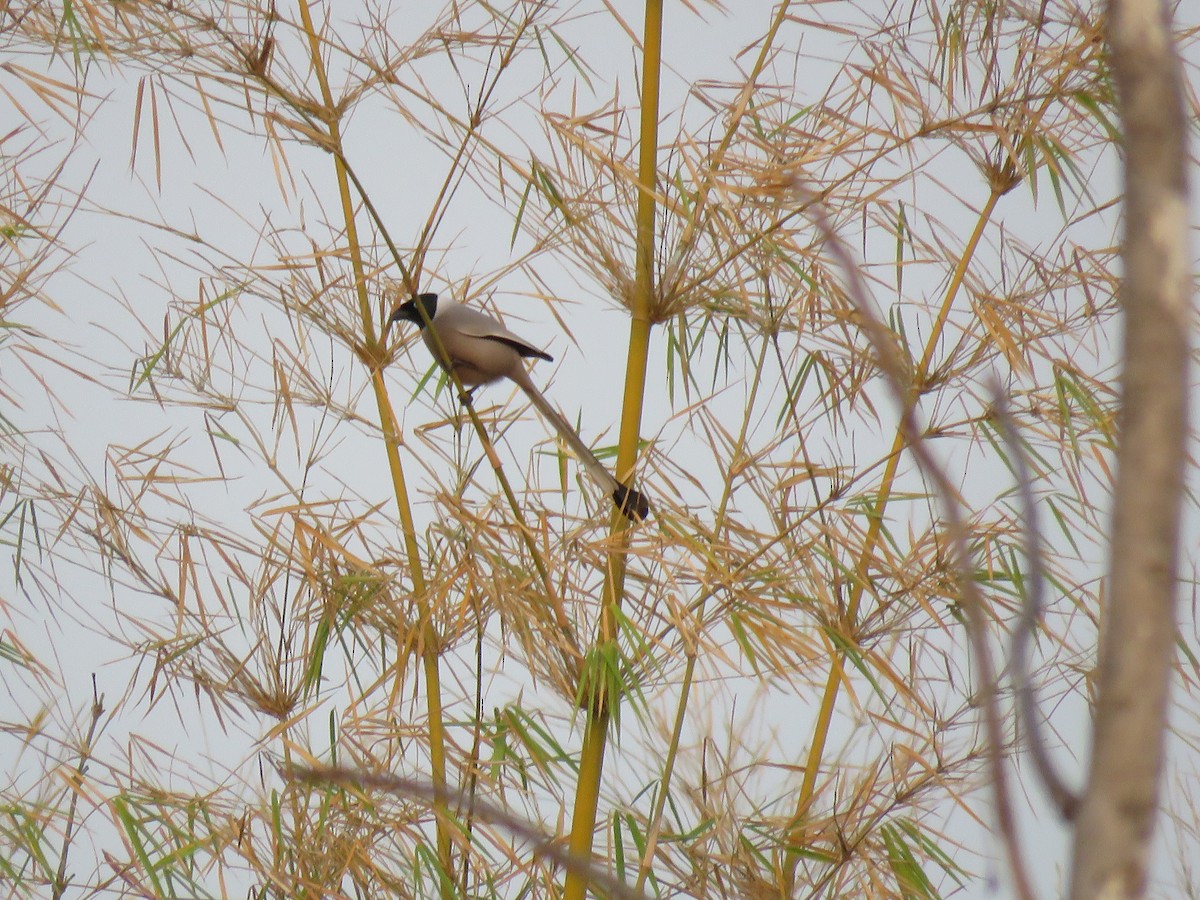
478 324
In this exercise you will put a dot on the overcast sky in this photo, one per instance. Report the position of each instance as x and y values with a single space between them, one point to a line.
125 281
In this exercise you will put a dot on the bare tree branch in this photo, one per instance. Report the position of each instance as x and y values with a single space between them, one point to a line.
1031 614
543 844
1137 644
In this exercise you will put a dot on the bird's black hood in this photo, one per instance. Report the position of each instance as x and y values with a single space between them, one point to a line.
408 312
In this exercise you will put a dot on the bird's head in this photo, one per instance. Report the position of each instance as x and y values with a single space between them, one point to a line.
408 311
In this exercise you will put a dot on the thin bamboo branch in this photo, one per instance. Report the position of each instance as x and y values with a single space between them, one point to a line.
430 646
690 649
837 662
59 884
892 366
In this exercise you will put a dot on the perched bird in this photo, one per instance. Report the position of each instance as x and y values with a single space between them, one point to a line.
480 350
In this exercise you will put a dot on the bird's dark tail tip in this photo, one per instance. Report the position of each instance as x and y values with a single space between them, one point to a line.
632 504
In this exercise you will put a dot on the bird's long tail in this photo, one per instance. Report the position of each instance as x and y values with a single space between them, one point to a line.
632 503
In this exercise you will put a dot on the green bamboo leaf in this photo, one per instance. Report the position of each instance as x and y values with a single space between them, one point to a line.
933 850
1066 527
1100 110
618 847
911 879
147 364
851 652
902 238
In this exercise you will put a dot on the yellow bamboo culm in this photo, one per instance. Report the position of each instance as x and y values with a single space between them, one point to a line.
601 703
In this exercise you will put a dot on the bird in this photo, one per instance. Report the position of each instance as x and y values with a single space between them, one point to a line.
480 351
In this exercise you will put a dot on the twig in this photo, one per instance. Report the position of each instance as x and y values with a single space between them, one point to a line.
85 753
1031 614
431 794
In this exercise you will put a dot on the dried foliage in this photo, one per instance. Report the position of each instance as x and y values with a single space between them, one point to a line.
242 501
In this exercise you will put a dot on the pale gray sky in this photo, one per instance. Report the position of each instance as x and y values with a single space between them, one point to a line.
110 304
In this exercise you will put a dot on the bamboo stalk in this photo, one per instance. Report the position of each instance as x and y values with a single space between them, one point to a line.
600 701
